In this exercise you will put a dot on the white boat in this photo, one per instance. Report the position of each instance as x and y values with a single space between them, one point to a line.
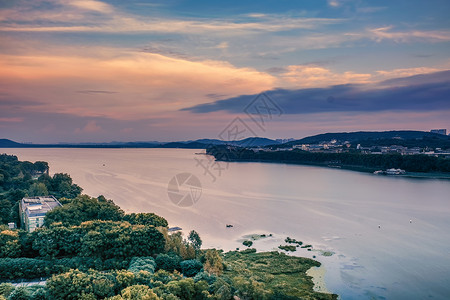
391 171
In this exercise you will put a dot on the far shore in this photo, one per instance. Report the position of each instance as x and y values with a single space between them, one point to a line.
421 175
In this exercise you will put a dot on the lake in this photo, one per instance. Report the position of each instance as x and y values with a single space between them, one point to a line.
390 236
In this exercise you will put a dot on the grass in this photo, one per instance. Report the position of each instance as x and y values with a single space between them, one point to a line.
288 248
293 241
277 271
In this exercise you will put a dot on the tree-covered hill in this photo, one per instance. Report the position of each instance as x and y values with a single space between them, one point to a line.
407 138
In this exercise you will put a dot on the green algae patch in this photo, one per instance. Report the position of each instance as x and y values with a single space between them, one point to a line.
277 274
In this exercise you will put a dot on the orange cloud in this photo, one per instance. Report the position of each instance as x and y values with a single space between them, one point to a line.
383 33
97 6
304 76
309 76
129 85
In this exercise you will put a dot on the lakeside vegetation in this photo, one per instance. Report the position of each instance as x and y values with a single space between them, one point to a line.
90 249
355 161
272 274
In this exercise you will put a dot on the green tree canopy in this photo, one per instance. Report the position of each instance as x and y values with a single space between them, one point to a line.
19 293
145 219
195 239
37 189
191 267
84 208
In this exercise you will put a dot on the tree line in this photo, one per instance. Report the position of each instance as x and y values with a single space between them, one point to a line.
410 163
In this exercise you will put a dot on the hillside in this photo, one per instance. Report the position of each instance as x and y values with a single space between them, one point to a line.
198 144
407 138
5 143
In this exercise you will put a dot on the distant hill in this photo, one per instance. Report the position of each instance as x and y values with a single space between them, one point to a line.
191 145
5 143
407 138
248 142
368 135
198 144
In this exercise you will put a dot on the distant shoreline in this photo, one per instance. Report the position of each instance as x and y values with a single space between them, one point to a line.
417 175
363 169
70 146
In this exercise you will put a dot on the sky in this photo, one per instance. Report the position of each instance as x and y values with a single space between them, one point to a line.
102 71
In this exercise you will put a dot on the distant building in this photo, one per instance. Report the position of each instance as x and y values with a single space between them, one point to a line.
439 131
282 141
33 210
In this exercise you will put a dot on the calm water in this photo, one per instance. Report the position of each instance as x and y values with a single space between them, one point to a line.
334 210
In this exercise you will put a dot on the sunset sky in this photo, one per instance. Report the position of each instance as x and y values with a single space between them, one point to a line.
98 71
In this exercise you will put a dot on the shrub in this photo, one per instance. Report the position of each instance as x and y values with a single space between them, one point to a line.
213 262
191 267
6 289
247 243
205 276
9 243
138 292
293 241
79 285
16 268
168 262
12 268
19 293
288 248
146 219
249 250
39 294
142 264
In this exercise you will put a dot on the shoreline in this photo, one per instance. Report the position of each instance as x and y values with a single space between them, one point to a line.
361 169
318 277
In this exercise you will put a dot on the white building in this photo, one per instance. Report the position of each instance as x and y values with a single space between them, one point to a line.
439 131
33 210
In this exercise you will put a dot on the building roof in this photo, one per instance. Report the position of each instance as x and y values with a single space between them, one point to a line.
39 206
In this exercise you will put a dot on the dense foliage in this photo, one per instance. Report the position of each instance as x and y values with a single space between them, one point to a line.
410 163
101 239
18 268
145 219
18 180
84 208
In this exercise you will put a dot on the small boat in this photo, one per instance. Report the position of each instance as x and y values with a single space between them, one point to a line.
395 171
173 229
391 171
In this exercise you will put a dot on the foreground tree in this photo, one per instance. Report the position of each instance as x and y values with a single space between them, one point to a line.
213 262
137 292
84 208
19 293
146 219
195 239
